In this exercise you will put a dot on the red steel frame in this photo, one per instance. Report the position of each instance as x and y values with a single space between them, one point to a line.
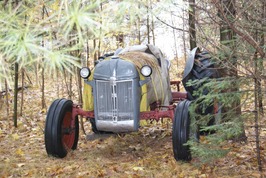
156 114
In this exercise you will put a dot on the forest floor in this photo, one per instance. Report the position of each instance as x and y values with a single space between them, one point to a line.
147 153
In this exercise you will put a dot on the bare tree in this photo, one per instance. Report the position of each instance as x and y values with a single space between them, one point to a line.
22 90
7 98
192 27
15 109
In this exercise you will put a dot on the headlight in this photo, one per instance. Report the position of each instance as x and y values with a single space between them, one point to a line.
85 72
146 71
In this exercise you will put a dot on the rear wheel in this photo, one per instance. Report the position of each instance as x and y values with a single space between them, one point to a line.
61 131
200 67
203 68
181 131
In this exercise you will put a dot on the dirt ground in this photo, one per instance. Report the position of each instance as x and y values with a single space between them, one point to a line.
147 153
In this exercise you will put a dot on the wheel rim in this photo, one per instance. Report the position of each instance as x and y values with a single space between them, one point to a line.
68 132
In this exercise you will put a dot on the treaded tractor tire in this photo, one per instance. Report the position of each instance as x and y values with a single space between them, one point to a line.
59 136
203 67
199 66
181 131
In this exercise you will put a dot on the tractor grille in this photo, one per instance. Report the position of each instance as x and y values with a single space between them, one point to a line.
114 100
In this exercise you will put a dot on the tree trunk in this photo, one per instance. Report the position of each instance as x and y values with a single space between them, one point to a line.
15 114
42 88
36 70
139 34
184 38
100 36
258 102
26 74
262 43
22 91
79 86
7 100
43 79
257 90
70 87
95 51
15 109
120 40
192 21
99 48
65 80
148 26
57 84
87 53
152 31
175 49
227 39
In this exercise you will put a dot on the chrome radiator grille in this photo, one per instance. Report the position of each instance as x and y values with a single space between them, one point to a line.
114 100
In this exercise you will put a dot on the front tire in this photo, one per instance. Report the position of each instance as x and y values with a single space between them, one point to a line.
60 134
181 131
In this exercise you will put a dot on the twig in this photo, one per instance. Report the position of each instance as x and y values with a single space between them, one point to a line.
175 28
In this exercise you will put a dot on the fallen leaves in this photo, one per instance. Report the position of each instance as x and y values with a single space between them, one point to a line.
15 136
132 155
20 165
136 168
19 152
147 153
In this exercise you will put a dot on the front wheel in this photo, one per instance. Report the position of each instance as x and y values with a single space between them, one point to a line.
61 131
181 131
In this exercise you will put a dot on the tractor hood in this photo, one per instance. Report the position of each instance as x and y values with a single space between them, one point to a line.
115 69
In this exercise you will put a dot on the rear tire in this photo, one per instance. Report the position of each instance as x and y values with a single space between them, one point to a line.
181 131
59 135
203 68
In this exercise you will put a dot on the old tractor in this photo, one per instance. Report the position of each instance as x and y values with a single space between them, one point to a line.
123 88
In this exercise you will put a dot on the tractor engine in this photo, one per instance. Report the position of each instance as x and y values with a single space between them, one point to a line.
116 95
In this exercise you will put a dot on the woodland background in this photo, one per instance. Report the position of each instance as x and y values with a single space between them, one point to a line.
43 44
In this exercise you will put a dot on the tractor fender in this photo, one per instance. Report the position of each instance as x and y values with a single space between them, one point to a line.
190 62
